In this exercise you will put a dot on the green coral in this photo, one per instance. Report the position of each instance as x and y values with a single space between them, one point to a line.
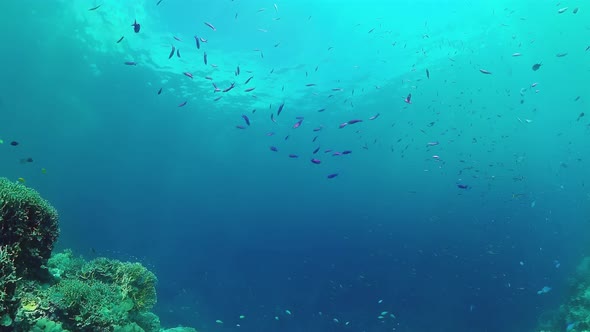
136 282
63 292
28 231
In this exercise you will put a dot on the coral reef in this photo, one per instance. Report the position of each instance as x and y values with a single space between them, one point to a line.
40 292
574 314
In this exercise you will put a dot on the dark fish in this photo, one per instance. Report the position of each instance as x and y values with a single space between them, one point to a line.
274 148
287 137
580 116
26 160
354 121
427 74
333 175
159 2
321 110
210 25
136 26
198 42
293 156
248 80
160 91
316 150
14 143
560 55
237 70
172 52
240 127
178 53
536 66
230 87
120 39
408 99
462 186
316 161
487 72
280 109
272 117
205 57
130 63
314 139
346 152
94 8
575 10
182 104
246 119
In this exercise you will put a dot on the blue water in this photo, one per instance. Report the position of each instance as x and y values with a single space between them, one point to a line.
232 228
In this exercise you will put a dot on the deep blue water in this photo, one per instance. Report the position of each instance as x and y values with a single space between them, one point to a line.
232 228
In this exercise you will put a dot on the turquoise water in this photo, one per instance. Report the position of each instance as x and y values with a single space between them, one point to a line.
233 228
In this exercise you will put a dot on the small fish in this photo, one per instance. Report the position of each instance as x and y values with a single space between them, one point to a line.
354 121
21 180
172 52
237 70
333 175
486 72
293 156
536 66
210 25
544 290
274 149
310 84
203 40
342 125
321 110
160 91
182 104
374 117
197 42
427 74
249 89
246 119
272 117
229 88
94 8
178 52
248 80
516 54
130 63
346 152
408 99
562 10
316 150
120 39
462 186
315 137
560 55
159 2
180 40
297 124
316 161
575 10
240 127
14 143
205 57
580 116
136 26
432 143
187 74
280 109
26 160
